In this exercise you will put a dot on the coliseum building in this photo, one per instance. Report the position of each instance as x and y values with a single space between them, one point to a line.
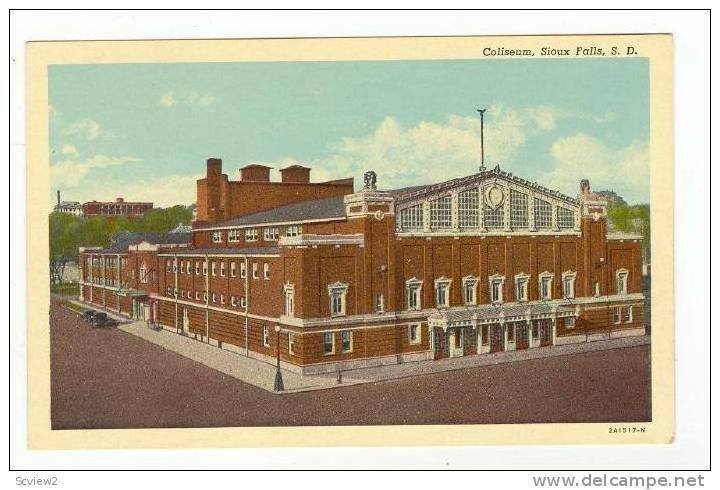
475 265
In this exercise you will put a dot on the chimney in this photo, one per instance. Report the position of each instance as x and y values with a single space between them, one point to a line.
214 168
295 174
58 195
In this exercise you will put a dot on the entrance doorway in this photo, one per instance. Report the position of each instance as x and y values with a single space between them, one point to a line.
455 342
521 334
545 328
497 338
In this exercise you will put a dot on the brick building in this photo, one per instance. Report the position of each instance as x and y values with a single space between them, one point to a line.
116 208
336 279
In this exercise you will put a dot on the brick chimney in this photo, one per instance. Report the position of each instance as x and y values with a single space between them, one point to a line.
295 174
214 168
255 173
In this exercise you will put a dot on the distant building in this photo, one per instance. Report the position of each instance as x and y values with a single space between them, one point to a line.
119 207
68 207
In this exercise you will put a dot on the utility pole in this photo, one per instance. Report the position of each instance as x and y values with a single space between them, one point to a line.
482 139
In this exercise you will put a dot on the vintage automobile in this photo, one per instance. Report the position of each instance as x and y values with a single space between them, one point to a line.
88 315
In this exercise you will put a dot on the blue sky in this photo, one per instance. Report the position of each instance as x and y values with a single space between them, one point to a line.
143 131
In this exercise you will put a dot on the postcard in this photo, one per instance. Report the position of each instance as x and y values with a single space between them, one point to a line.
404 241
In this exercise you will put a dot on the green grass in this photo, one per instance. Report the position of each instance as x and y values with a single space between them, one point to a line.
73 307
66 289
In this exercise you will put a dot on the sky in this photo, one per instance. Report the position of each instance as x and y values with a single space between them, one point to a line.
144 131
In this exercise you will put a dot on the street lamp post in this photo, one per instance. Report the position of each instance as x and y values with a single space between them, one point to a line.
278 375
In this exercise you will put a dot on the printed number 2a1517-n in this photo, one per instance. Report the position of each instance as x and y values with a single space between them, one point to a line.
626 430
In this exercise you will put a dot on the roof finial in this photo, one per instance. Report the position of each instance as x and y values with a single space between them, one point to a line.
482 139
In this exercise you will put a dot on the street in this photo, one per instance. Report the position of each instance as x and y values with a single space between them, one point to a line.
106 378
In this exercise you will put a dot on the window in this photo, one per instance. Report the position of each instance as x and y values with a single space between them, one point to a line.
188 267
232 269
496 288
234 236
289 293
243 302
168 291
266 336
518 209
143 273
543 214
205 297
621 280
470 290
182 293
617 314
266 271
441 212
168 265
291 343
205 267
337 292
197 295
546 286
597 288
243 270
521 287
627 316
182 267
255 270
213 268
328 342
174 293
566 218
217 236
469 208
233 301
222 269
494 217
197 268
293 230
510 332
270 234
442 292
412 218
379 303
251 235
214 298
570 322
568 285
222 299
414 334
413 288
174 262
346 336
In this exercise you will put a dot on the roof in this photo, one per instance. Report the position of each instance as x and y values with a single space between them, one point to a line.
123 240
224 251
295 166
320 209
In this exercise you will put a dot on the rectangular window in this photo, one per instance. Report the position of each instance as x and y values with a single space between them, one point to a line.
289 293
243 302
291 343
569 287
412 218
217 236
205 266
293 230
337 301
521 292
414 334
233 301
251 235
222 269
197 295
266 271
442 294
469 208
617 314
545 288
197 268
441 212
188 267
621 286
543 214
222 299
243 270
496 290
205 297
168 265
379 303
214 298
266 336
233 268
469 289
328 342
570 322
413 296
565 218
234 236
494 217
518 209
213 268
255 273
627 315
174 265
346 336
270 234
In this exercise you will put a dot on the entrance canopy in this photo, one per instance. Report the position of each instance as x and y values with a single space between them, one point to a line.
472 316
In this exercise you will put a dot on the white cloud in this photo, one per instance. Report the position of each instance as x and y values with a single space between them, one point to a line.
167 100
625 170
69 173
69 150
87 128
170 99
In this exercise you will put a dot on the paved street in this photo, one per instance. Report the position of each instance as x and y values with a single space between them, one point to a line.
110 379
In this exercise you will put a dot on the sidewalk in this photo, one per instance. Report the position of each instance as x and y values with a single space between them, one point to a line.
262 375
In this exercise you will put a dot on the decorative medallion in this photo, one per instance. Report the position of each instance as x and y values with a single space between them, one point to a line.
379 215
494 196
